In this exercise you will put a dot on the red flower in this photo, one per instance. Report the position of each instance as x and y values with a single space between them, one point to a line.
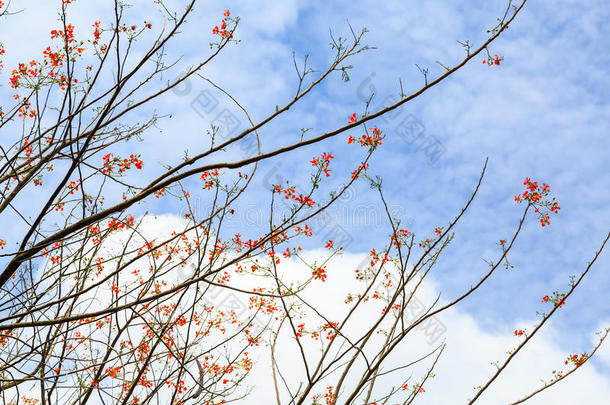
222 31
327 157
319 273
495 60
96 33
534 195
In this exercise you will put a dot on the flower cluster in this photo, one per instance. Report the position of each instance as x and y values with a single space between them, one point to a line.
222 31
300 330
289 193
3 337
26 111
54 59
304 231
395 307
63 82
115 225
323 162
399 238
24 71
2 51
557 299
67 36
27 148
73 186
375 257
329 397
534 195
519 332
30 75
330 329
576 359
361 168
495 60
97 33
210 178
425 243
122 164
416 387
371 141
319 273
55 258
264 305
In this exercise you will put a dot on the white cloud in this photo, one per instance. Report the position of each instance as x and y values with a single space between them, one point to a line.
466 360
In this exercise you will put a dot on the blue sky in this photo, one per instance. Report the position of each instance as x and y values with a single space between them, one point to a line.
542 114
